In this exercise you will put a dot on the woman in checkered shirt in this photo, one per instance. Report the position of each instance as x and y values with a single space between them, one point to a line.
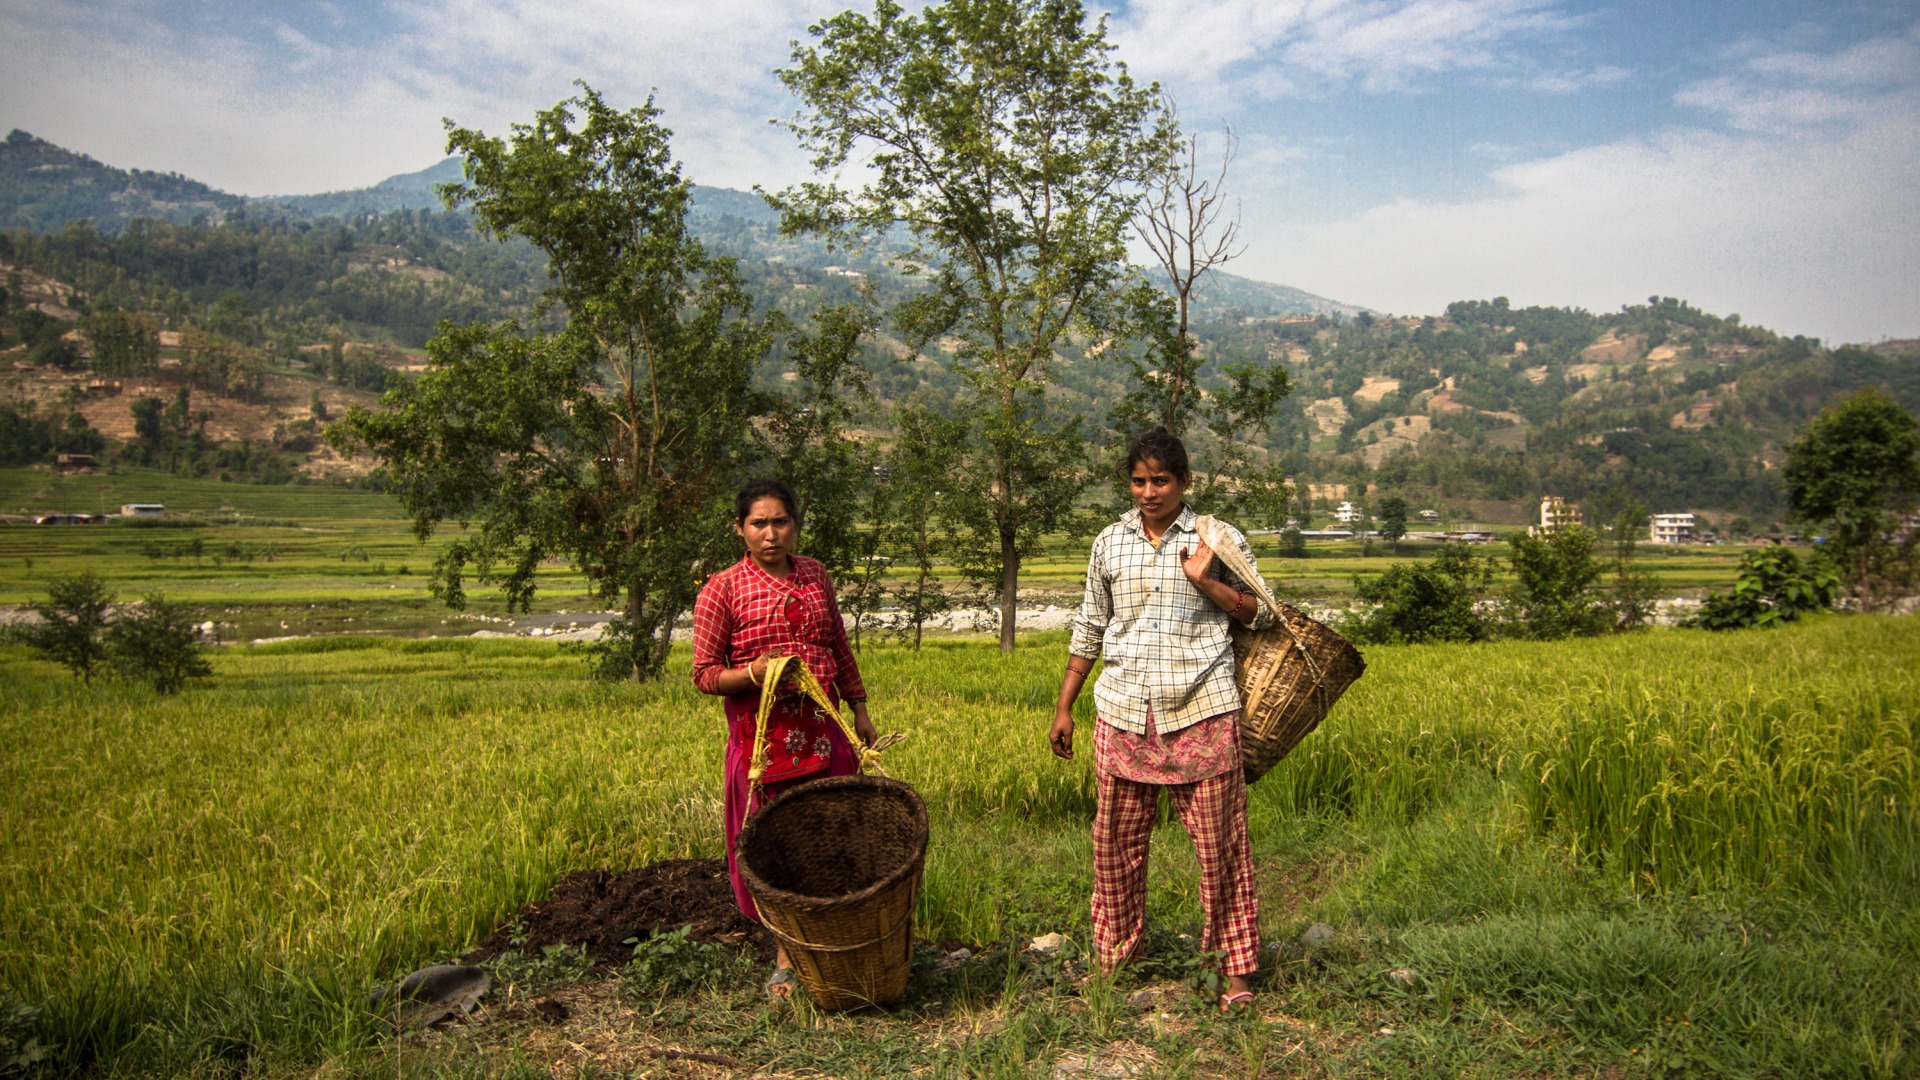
774 603
1157 609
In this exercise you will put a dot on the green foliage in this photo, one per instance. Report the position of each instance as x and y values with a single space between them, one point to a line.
999 136
73 622
1416 603
157 643
1774 587
1854 472
29 436
1392 519
920 468
1553 594
670 963
617 442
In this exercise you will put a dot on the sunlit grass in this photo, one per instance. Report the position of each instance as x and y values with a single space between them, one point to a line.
237 864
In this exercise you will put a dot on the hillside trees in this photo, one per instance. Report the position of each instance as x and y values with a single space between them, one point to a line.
616 442
1001 139
1854 472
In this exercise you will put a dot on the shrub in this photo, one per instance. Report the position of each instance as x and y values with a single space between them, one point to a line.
1553 594
72 620
1415 602
1774 587
158 643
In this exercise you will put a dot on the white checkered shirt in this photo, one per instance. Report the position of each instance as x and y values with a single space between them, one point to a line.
1164 642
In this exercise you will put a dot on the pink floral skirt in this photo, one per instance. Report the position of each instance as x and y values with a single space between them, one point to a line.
1197 752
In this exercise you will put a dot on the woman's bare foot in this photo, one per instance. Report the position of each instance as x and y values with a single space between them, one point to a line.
781 984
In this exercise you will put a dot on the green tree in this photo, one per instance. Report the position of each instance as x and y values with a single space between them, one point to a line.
1424 602
1773 587
1001 139
1553 594
1854 473
617 442
1632 589
72 621
158 644
921 471
1393 520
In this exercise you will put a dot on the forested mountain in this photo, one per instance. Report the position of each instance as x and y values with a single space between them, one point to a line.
1479 410
43 187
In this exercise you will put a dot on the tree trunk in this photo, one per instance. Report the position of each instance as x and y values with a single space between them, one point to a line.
1009 586
663 641
633 627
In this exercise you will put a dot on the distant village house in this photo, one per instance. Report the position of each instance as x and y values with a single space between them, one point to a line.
1556 513
1671 529
136 510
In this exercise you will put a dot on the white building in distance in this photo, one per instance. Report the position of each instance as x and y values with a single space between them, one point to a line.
1671 529
1556 513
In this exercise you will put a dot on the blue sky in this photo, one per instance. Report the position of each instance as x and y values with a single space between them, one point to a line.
1759 157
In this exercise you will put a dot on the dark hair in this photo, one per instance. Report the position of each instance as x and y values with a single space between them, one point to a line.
1162 446
755 490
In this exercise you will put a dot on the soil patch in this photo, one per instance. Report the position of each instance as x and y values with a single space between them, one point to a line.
599 910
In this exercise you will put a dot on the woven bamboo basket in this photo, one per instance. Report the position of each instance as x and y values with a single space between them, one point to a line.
1289 674
834 866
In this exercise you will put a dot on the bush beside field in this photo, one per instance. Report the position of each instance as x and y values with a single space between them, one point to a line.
1586 839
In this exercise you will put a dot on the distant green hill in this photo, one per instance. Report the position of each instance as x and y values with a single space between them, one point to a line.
1476 412
408 191
43 187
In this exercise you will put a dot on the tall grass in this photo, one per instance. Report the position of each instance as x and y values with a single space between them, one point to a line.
222 875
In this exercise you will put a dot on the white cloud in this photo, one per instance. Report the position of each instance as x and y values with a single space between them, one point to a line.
1803 216
287 114
1310 46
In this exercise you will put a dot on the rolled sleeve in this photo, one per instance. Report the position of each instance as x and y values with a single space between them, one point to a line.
1096 607
712 636
846 675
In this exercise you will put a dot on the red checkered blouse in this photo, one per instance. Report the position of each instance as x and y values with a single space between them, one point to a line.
744 612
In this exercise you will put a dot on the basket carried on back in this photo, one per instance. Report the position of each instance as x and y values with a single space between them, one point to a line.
834 866
1289 675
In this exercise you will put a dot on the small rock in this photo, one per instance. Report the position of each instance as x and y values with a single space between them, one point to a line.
1144 999
432 994
1318 936
552 1011
960 956
1047 943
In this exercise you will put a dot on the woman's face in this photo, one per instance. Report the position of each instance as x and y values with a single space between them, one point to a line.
769 531
1156 491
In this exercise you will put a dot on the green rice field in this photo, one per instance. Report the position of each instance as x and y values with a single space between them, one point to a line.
1663 854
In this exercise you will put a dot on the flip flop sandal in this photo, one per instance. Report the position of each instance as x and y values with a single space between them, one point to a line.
782 977
1240 1002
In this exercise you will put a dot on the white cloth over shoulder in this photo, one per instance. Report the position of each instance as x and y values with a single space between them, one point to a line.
1165 644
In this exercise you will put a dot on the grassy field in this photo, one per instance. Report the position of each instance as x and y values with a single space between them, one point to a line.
1666 854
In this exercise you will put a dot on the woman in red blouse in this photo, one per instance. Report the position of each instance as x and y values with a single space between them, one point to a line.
774 603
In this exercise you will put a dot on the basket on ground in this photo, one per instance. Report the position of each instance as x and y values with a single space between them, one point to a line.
1289 674
834 866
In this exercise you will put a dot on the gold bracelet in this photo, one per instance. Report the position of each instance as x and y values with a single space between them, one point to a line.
750 677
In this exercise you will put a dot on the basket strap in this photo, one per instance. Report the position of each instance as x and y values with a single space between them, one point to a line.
1214 532
810 686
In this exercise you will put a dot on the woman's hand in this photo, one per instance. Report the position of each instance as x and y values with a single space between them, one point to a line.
1060 736
862 726
1196 561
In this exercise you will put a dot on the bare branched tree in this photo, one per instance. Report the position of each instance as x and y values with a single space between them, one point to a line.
1180 220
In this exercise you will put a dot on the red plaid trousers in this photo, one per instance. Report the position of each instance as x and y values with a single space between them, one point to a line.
1214 812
